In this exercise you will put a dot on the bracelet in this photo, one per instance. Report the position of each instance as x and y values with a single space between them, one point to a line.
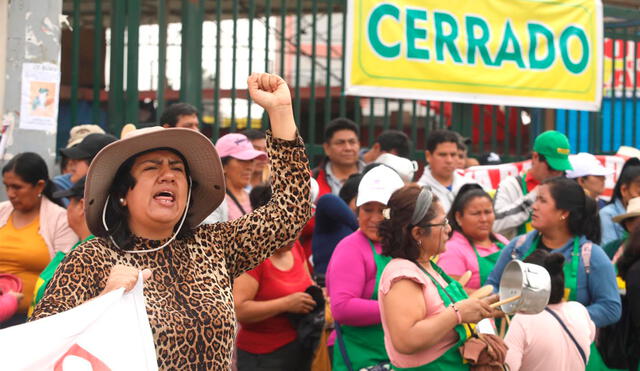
457 313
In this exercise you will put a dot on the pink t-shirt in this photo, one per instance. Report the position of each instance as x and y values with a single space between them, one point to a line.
234 210
459 257
399 269
537 342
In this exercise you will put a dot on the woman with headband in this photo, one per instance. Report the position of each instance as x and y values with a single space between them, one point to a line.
145 198
424 312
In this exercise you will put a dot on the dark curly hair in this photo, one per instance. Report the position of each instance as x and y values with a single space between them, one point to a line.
395 232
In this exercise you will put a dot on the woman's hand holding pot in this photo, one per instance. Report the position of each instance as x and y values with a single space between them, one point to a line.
473 310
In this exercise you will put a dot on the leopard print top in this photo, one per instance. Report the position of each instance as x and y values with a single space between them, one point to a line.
188 297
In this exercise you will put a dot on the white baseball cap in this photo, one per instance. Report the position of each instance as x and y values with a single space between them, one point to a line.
585 164
628 151
377 185
404 167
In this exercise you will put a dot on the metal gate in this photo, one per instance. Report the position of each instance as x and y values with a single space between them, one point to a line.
220 42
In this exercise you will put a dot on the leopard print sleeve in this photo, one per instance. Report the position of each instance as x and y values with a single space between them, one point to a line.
249 240
81 276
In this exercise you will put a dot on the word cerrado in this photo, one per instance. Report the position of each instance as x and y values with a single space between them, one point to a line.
542 46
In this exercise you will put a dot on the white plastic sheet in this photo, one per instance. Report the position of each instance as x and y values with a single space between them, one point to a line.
110 332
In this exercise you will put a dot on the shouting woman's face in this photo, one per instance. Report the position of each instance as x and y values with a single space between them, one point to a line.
159 198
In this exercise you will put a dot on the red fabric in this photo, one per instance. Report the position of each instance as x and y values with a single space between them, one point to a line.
531 182
268 335
305 239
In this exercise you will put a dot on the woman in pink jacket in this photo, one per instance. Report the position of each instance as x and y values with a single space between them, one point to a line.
472 246
32 227
353 276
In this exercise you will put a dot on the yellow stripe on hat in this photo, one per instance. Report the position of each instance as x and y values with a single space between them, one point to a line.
563 151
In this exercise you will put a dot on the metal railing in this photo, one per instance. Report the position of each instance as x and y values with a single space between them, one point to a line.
304 41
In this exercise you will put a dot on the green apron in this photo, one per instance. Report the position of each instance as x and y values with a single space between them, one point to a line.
612 247
364 344
486 263
526 226
570 270
451 359
47 275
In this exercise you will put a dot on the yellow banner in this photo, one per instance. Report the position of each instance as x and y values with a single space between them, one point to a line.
533 53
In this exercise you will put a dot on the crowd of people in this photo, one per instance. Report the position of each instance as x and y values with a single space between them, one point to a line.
254 261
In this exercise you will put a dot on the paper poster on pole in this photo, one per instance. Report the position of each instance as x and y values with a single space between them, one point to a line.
527 53
39 96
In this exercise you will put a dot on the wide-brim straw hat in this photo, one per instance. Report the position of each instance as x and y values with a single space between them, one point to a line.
201 156
633 210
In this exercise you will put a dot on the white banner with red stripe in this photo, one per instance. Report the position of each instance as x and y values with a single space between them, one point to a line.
110 332
489 176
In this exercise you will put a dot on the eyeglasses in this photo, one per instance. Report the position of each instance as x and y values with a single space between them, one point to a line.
445 222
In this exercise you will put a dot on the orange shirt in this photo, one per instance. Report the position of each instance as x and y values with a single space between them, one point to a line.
24 253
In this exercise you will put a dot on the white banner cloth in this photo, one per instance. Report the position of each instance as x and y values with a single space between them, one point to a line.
110 332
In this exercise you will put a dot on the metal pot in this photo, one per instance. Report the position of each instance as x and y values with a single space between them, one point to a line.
531 282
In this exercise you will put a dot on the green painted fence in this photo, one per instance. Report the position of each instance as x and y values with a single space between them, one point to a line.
304 41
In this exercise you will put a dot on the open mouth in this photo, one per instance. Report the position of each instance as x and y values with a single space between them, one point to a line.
165 197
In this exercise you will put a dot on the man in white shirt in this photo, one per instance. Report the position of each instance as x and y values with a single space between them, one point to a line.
440 174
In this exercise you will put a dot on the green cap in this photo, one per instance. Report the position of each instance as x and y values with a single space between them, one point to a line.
554 146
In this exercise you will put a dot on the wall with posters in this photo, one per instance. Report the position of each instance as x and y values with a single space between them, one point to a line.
29 117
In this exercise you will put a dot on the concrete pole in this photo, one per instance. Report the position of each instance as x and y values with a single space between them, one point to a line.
32 36
4 9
